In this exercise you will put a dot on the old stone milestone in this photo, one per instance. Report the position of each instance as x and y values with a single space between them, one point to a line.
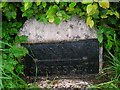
67 49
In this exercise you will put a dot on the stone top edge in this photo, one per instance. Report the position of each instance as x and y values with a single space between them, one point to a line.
73 29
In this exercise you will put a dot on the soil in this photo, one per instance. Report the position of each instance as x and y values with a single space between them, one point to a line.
67 82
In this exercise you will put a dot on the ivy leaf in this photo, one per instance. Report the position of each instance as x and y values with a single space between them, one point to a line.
96 14
38 2
107 31
10 64
100 37
91 9
18 51
104 16
19 24
44 4
104 4
3 4
16 24
57 1
13 31
19 69
52 10
43 18
27 5
112 20
28 13
57 20
116 14
109 44
21 39
51 19
24 14
69 9
87 1
90 22
81 13
109 12
59 14
72 5
13 14
100 34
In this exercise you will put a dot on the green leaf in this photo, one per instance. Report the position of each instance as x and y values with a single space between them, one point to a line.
57 1
16 24
10 64
69 9
104 4
100 38
52 10
100 34
21 39
19 69
87 1
51 19
90 22
27 5
13 14
24 14
51 13
57 20
109 43
104 16
43 18
81 13
13 31
91 9
4 56
96 15
109 12
3 4
38 2
18 51
44 4
117 14
30 12
112 20
59 14
72 5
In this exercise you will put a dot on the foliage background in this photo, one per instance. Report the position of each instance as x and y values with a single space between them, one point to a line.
102 15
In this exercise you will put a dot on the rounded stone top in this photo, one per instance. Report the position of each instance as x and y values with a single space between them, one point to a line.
73 29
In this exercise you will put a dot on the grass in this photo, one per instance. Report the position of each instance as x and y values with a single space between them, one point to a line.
112 71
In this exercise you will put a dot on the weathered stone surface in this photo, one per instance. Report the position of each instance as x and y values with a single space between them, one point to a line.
66 58
71 30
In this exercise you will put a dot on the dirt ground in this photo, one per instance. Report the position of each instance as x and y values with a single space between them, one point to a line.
66 82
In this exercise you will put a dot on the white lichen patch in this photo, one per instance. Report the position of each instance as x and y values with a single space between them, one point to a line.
71 30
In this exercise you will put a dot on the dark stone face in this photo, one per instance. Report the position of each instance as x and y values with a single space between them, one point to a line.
65 58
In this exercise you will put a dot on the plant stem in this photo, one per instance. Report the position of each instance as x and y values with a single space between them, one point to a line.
6 44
